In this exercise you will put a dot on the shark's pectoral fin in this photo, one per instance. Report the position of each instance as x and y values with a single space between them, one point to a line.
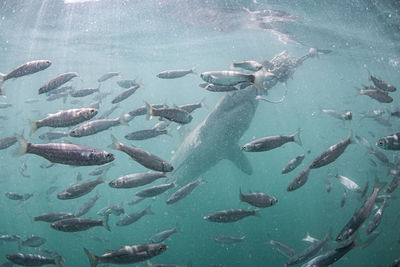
240 160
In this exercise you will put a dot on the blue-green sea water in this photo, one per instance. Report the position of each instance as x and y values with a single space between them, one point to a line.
142 38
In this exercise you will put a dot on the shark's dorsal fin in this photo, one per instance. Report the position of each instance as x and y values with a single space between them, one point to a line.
240 160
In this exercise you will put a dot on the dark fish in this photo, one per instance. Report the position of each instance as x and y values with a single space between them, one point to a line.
53 216
136 179
68 154
378 95
126 83
33 260
381 84
360 216
49 136
57 82
259 200
291 165
395 263
390 142
6 142
9 238
144 158
172 114
80 189
84 92
33 242
232 215
161 236
376 220
307 253
107 76
173 74
393 184
155 190
125 94
331 154
82 210
134 217
64 118
101 169
136 200
145 134
331 256
225 239
127 254
96 126
283 249
271 142
16 196
299 180
343 201
142 110
79 224
184 191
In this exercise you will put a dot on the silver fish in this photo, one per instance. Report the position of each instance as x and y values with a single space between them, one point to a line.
291 165
53 216
192 107
145 134
64 118
271 142
136 200
101 169
376 220
6 142
64 89
117 210
299 180
184 191
84 92
9 238
68 154
338 115
82 210
232 215
161 236
343 201
144 158
378 95
142 110
107 76
247 65
259 200
393 184
308 252
57 82
127 254
155 190
33 260
173 74
381 84
134 217
95 126
108 112
54 135
125 94
282 248
136 179
16 196
33 241
80 189
331 154
26 69
126 83
173 114
348 183
79 224
390 142
220 88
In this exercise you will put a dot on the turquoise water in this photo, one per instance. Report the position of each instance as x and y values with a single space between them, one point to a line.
142 38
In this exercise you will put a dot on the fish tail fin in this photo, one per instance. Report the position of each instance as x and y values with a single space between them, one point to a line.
93 259
149 111
296 137
193 71
358 91
240 194
59 261
115 143
256 213
203 104
34 126
105 223
22 147
178 228
2 77
100 179
168 132
148 211
149 264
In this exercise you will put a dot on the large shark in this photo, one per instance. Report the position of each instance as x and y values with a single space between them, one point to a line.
216 137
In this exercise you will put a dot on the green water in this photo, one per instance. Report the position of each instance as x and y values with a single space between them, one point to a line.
142 38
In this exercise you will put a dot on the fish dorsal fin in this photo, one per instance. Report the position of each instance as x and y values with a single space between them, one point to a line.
240 160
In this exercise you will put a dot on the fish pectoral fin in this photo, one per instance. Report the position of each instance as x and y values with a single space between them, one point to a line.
240 160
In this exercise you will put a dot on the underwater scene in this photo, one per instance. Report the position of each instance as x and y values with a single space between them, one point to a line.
199 133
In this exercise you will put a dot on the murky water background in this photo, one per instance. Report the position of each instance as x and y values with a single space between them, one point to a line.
142 38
